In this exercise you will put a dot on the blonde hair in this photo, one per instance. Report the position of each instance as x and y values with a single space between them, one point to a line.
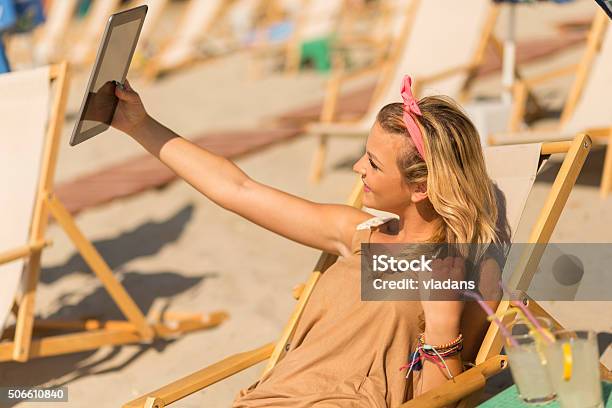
457 183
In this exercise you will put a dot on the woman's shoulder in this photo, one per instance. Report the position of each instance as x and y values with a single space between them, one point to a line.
374 218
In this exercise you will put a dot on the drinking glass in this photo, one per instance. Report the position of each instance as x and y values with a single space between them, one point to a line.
573 368
528 364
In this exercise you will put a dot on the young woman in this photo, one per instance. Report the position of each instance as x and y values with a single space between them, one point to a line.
423 162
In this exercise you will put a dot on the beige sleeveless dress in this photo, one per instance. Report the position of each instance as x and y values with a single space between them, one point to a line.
345 352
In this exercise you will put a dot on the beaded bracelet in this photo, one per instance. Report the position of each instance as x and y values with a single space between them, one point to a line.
435 354
454 343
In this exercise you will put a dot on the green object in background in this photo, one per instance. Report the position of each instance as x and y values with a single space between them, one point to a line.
318 51
83 8
509 398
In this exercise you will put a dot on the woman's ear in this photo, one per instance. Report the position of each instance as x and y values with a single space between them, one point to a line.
419 193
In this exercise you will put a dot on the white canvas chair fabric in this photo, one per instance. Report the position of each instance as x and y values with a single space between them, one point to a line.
199 16
25 95
319 19
436 44
516 181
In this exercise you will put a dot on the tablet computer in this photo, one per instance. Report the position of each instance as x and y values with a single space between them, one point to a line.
111 66
606 5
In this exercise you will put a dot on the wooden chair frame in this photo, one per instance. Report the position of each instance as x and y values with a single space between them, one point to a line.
385 75
466 386
523 87
91 333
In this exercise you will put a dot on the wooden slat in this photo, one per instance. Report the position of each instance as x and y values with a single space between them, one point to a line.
593 43
22 252
203 378
72 343
606 175
556 147
463 385
92 257
25 318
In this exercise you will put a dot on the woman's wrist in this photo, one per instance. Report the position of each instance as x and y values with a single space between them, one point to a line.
139 130
436 334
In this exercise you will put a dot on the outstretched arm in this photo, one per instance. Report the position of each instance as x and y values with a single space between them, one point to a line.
327 227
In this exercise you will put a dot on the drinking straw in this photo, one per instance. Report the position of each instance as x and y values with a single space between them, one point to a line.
532 331
491 314
527 314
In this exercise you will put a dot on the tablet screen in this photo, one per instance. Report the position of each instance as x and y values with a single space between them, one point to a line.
111 67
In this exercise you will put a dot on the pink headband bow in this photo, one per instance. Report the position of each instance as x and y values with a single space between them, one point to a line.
412 108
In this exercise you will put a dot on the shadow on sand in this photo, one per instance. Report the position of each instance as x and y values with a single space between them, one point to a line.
145 288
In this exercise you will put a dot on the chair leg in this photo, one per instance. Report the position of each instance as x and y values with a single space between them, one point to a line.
318 162
606 176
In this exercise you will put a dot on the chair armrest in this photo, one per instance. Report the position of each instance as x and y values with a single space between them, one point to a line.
340 77
444 74
22 252
460 387
547 76
216 372
523 87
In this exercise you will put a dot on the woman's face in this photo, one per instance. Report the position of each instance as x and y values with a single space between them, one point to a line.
384 188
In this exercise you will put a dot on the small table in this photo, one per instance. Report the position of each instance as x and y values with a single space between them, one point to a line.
509 398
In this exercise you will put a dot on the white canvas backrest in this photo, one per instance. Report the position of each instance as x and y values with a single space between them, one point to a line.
515 181
320 18
444 35
594 109
399 16
198 17
241 17
24 109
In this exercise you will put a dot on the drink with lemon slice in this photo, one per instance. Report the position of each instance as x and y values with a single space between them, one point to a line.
527 363
573 369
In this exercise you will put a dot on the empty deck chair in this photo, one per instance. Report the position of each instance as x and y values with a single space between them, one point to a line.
28 155
587 108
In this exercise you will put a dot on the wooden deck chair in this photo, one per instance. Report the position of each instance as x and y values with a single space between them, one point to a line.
515 183
181 49
154 13
439 54
84 50
314 19
587 108
28 155
50 36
